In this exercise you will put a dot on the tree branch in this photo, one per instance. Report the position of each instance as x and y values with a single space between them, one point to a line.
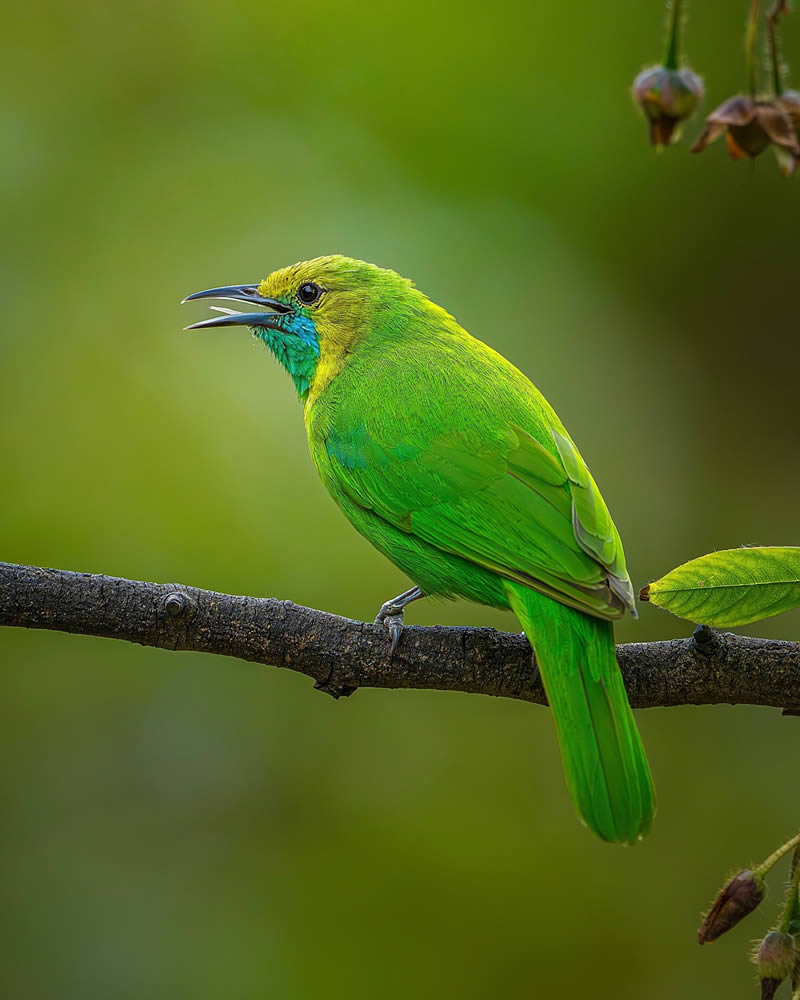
342 655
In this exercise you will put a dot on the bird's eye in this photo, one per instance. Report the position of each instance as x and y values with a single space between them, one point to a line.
308 293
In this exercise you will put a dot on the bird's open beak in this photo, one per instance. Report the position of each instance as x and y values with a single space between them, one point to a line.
232 317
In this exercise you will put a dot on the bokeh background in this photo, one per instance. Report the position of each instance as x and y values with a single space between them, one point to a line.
175 825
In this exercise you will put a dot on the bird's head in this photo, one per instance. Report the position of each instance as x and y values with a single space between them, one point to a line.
311 315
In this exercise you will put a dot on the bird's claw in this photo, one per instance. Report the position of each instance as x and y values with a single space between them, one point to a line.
392 616
396 625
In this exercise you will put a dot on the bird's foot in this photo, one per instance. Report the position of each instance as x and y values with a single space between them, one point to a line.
395 624
392 615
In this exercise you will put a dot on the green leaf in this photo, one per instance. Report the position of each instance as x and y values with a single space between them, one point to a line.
731 587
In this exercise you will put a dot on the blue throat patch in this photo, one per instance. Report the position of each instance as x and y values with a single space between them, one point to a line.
295 345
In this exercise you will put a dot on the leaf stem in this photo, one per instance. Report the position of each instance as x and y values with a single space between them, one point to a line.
672 54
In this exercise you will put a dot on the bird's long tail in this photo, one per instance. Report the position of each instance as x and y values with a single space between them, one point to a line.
604 760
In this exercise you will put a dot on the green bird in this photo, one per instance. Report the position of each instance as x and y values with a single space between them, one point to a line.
455 467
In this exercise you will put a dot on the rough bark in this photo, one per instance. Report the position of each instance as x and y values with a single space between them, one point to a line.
342 655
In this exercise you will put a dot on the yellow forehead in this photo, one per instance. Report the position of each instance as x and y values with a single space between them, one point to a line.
335 274
283 284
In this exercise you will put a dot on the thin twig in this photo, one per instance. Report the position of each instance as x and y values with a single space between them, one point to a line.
778 8
672 55
750 37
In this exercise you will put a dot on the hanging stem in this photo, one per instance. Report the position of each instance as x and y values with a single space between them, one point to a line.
673 35
780 7
776 856
750 45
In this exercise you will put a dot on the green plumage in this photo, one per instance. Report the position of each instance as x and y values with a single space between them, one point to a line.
604 760
453 465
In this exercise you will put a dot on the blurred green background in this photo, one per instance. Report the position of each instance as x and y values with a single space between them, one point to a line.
175 825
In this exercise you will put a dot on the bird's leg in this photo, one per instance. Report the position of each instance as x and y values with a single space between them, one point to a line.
392 613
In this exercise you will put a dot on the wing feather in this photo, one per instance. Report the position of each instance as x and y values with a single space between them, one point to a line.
465 453
506 504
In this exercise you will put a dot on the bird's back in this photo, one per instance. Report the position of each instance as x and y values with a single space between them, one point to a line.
434 379
438 436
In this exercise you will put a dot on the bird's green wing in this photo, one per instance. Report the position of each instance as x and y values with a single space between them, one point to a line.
491 493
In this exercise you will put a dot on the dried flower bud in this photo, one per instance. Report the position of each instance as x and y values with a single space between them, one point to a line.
775 961
667 97
733 903
751 126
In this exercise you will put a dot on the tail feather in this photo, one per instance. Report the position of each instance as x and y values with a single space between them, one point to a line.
604 760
